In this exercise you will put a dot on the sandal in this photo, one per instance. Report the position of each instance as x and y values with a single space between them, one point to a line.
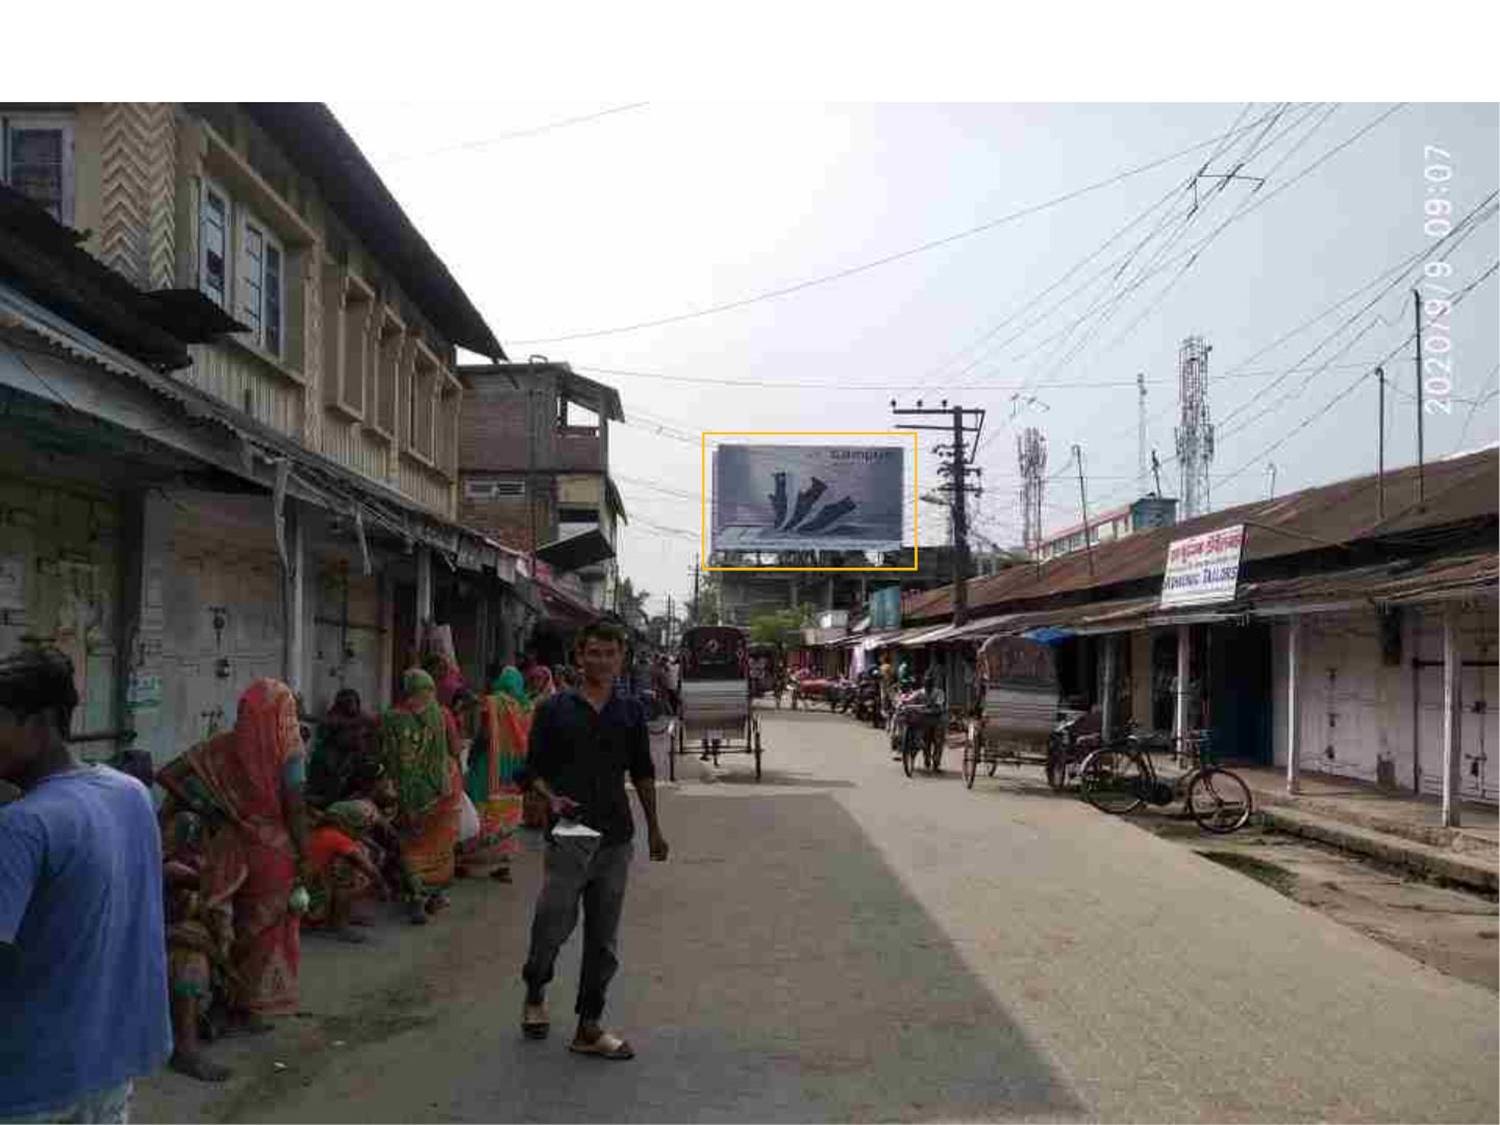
535 1023
607 1046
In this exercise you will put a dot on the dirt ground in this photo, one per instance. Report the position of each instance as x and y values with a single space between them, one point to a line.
1452 930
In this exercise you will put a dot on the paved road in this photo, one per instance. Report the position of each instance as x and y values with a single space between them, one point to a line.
842 943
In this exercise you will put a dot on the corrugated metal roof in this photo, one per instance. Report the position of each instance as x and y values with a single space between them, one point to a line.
1456 491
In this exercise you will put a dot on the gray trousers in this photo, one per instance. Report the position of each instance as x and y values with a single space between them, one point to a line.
577 871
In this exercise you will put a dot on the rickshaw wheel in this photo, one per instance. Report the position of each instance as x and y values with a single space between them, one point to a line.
971 761
908 751
673 749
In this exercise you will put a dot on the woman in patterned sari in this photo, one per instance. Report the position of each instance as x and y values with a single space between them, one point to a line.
248 782
495 765
420 746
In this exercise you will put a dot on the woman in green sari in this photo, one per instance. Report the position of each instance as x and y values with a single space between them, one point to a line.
495 764
420 747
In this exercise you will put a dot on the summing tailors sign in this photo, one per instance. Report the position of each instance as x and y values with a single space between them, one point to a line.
807 497
1203 569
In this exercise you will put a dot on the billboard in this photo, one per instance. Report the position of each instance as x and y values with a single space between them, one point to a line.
1203 569
808 497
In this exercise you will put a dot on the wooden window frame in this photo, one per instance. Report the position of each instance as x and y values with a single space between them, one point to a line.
66 124
207 187
247 221
392 351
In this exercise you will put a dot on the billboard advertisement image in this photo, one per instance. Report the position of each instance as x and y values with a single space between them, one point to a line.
805 497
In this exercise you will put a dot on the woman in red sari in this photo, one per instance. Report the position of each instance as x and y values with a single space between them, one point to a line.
421 746
249 782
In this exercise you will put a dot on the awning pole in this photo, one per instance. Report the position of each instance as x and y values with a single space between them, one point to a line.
1293 705
1179 716
1452 718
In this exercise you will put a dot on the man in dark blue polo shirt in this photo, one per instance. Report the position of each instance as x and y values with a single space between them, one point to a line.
583 742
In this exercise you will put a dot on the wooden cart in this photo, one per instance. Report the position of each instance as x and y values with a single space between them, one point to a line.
717 716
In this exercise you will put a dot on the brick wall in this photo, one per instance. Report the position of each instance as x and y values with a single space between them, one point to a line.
508 519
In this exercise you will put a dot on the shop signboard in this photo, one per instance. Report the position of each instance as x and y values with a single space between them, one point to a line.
1203 569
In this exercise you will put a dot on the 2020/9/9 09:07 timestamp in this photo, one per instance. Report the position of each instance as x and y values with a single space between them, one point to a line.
1435 340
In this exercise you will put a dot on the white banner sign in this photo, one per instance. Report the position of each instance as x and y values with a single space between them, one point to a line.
1203 569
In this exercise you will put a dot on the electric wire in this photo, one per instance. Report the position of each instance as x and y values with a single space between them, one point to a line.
838 275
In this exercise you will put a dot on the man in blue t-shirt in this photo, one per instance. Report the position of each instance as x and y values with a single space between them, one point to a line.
83 963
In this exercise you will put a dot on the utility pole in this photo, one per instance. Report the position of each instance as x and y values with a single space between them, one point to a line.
1156 471
1271 482
956 468
1380 449
695 591
1140 432
1416 295
1083 500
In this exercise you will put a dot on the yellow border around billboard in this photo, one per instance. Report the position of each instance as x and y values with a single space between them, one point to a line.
703 497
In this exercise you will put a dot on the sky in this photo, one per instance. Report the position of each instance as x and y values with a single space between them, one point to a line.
1106 233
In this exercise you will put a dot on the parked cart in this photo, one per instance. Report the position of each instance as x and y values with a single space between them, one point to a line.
717 716
1017 715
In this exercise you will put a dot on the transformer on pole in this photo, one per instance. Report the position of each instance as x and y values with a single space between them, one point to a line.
1195 433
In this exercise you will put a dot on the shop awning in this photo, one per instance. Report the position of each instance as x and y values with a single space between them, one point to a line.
576 551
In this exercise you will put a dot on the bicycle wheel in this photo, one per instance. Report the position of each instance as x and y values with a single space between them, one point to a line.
1113 781
908 751
1057 766
1219 800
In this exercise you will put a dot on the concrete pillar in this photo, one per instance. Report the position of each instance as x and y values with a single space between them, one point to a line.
145 574
424 592
1140 679
1180 704
1452 719
294 616
1111 663
1294 705
387 642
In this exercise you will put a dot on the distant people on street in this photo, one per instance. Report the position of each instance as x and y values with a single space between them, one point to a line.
583 743
420 749
247 784
539 684
83 964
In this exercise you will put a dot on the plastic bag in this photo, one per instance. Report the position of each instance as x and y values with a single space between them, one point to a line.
468 819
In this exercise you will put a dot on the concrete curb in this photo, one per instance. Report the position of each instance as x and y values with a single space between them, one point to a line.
1435 836
1417 857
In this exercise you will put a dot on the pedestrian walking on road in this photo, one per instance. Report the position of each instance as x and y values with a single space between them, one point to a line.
583 743
83 960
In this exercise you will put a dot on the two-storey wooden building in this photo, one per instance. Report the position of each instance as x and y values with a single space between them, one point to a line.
230 414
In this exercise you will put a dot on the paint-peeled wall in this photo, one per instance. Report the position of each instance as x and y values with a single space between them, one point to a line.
1363 717
59 585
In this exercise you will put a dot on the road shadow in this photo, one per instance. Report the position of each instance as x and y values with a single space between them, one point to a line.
777 970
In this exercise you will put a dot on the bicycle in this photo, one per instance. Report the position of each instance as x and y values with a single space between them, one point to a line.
1121 777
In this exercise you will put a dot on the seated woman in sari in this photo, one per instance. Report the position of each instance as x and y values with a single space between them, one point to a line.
247 783
420 749
495 765
341 869
346 737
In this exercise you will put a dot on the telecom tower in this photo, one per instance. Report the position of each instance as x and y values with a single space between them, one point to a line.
1031 453
1195 434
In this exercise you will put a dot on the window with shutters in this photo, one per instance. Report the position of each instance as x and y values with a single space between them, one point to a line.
393 348
213 244
421 399
260 296
36 159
